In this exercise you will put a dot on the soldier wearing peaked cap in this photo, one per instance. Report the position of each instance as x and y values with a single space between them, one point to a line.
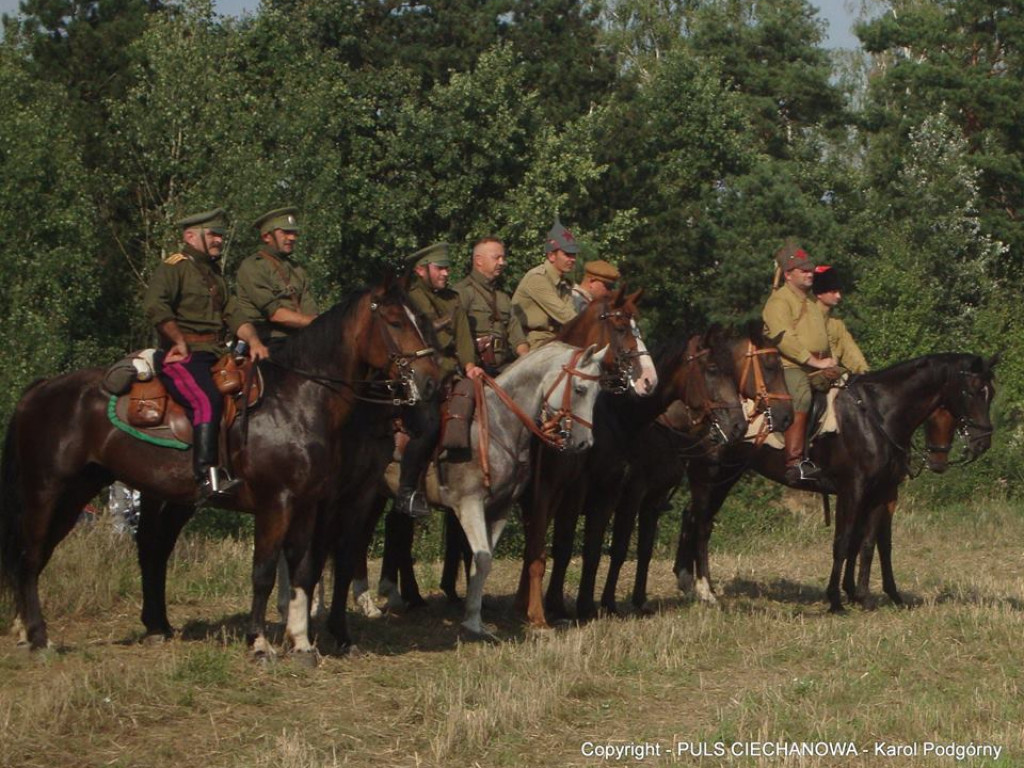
804 348
188 302
429 293
543 300
599 277
274 290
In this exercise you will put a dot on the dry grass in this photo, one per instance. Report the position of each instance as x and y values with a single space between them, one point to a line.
769 664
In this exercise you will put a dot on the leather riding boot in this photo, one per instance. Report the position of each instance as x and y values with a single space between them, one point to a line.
798 467
410 500
213 480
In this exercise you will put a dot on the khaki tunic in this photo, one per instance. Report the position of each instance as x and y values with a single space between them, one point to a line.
789 311
443 308
844 348
266 283
543 303
489 311
188 287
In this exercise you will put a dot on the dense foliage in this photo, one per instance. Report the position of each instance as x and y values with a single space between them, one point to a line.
683 140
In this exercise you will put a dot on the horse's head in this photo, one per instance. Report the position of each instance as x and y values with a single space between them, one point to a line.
612 321
968 396
570 391
393 341
939 430
757 369
705 402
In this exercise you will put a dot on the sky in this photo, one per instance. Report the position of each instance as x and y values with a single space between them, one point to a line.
833 11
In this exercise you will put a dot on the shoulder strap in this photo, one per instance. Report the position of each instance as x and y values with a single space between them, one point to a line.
283 274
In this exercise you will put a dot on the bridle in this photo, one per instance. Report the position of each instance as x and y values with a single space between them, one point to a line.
620 380
553 428
400 382
762 397
709 408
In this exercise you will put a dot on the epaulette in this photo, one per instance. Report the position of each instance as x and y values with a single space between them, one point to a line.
174 258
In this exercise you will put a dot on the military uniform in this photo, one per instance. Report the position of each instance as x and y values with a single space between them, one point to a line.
269 280
787 310
495 329
189 288
444 309
844 348
543 303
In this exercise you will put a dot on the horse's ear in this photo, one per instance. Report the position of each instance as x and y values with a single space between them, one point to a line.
774 341
713 334
617 297
693 345
592 352
634 298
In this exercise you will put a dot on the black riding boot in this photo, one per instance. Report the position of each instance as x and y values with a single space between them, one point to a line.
423 422
213 481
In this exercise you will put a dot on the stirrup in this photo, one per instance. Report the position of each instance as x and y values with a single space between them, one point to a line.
217 484
412 503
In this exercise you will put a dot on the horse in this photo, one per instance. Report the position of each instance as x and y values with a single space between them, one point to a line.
693 375
61 449
865 460
556 377
657 461
627 367
940 429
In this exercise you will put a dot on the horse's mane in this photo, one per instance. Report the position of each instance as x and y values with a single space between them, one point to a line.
306 349
906 368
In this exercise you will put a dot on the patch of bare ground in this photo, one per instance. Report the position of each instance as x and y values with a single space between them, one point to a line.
767 665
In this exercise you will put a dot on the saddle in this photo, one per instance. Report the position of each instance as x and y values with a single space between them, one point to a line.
147 408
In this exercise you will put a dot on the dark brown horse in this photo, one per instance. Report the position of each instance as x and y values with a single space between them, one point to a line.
865 460
695 376
940 429
61 449
627 367
657 462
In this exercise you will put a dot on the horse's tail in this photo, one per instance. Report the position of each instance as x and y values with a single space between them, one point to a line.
12 509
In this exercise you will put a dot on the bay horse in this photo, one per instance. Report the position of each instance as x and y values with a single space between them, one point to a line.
657 461
865 460
627 367
61 449
694 374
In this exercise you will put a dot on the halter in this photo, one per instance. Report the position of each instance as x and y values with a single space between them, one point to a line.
555 427
762 397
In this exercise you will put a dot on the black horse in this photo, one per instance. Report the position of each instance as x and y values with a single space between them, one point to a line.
61 449
865 460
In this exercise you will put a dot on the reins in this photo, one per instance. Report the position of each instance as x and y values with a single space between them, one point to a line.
560 420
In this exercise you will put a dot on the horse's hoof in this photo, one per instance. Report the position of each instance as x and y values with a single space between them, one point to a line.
482 634
155 638
837 610
684 581
306 659
365 603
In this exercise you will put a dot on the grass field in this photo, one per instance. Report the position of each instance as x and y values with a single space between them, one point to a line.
768 666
